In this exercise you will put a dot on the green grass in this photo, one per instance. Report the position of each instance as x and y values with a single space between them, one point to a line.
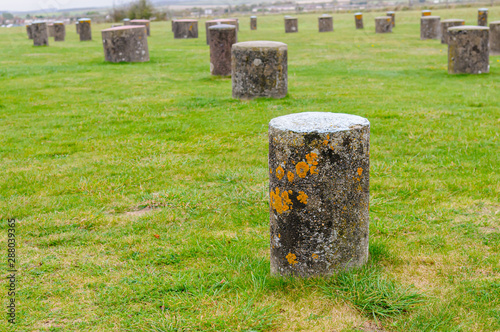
141 190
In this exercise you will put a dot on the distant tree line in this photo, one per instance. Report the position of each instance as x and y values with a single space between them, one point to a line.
140 9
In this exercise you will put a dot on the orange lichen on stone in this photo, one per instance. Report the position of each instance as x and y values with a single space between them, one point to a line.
360 171
325 142
302 168
313 170
302 197
290 176
280 203
312 158
280 172
315 256
292 259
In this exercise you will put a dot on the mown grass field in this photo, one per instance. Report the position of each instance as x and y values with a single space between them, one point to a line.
141 190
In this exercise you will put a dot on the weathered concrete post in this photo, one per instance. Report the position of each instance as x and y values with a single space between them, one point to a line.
232 21
222 38
482 17
59 31
358 20
28 31
392 15
125 44
430 27
325 23
77 27
50 28
319 172
259 69
126 21
445 24
291 24
40 34
383 24
426 13
495 38
208 24
468 51
253 22
145 23
85 27
185 29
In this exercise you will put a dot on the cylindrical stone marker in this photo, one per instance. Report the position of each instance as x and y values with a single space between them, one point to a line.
253 22
358 20
50 27
495 38
426 13
222 38
125 44
482 17
126 21
208 24
28 31
430 27
59 31
40 34
259 69
291 24
145 23
445 24
383 24
392 15
468 51
325 23
184 29
85 27
319 172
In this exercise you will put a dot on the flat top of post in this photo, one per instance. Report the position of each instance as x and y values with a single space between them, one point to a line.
253 16
359 13
382 17
325 16
141 21
319 122
260 44
468 27
185 20
290 18
430 17
124 27
126 19
84 19
222 27
483 9
391 12
58 22
495 22
453 20
39 22
425 10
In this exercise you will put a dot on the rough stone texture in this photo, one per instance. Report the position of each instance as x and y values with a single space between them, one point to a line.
495 38
358 20
426 13
210 23
50 27
291 24
468 50
482 17
85 27
59 31
145 23
77 28
253 22
430 27
28 31
40 34
445 24
383 24
125 44
222 38
126 21
259 69
325 23
116 25
392 15
319 193
185 29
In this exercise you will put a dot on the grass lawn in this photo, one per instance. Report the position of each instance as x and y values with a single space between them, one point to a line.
141 190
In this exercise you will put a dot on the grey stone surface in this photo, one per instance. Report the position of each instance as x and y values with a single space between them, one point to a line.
319 193
445 24
495 38
116 25
85 28
253 22
383 24
125 44
145 23
184 29
50 27
208 24
40 34
358 20
222 38
392 15
482 17
468 51
426 13
28 31
126 21
430 27
259 69
59 31
291 24
325 23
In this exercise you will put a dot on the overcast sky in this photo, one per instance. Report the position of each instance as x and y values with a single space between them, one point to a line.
38 5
